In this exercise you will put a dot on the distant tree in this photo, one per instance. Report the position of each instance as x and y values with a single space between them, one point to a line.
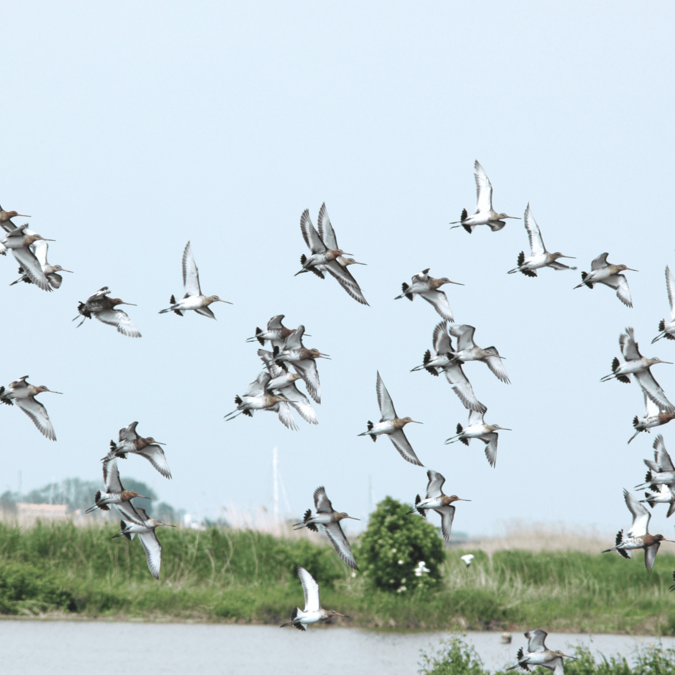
393 546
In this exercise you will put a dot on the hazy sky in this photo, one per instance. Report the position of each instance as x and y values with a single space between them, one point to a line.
129 129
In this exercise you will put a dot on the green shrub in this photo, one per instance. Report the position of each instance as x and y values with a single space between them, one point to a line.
394 544
454 657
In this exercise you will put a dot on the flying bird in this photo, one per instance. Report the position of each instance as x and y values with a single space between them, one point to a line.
313 612
653 418
392 425
276 333
325 257
667 328
660 478
427 287
258 397
444 361
476 428
50 271
23 394
467 350
638 536
101 306
129 442
19 241
136 522
193 298
539 655
303 361
639 367
114 491
539 256
485 214
328 519
603 272
437 501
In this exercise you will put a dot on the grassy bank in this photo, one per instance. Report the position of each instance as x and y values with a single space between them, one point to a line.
230 575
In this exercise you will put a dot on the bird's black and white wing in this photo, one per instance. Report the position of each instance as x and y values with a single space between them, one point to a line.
310 375
661 455
205 311
600 262
653 389
384 400
402 444
134 515
620 284
496 365
483 189
259 385
285 415
441 339
491 440
155 455
650 554
346 280
326 231
31 267
447 514
128 433
435 485
462 387
310 235
275 322
190 272
310 589
670 287
640 513
629 347
535 640
111 476
38 413
533 233
153 551
464 334
440 303
294 340
321 502
121 321
340 543
476 417
300 402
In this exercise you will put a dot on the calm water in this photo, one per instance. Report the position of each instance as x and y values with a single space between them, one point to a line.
99 648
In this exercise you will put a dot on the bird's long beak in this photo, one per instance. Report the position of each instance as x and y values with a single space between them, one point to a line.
632 270
352 518
571 257
456 283
142 497
127 303
300 272
54 392
514 217
459 499
21 215
227 302
504 429
345 616
416 422
670 363
325 356
62 270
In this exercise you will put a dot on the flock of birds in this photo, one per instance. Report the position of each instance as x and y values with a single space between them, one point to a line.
276 388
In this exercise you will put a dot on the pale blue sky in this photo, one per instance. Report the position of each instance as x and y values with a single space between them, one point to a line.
130 129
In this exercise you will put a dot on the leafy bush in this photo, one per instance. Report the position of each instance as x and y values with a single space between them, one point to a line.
394 544
454 657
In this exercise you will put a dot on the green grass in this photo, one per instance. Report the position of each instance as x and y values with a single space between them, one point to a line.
230 575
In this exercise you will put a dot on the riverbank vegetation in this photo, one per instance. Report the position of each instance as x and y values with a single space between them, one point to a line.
455 657
247 576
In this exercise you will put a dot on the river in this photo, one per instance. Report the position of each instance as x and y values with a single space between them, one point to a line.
103 647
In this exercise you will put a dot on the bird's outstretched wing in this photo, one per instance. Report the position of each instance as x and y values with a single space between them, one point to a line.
340 543
535 640
321 502
462 387
32 268
111 476
629 347
190 272
344 277
326 231
661 455
155 455
153 551
653 389
121 321
435 484
310 235
620 284
402 444
495 364
464 334
447 514
310 589
38 413
670 287
600 262
640 513
536 242
384 400
483 189
439 301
